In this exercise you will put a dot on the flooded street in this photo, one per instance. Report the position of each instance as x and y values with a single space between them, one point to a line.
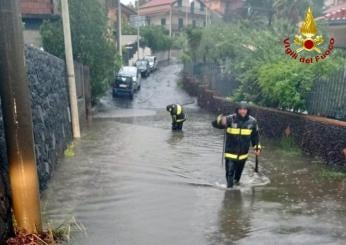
133 181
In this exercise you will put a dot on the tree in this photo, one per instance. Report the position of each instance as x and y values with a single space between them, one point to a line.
127 29
260 8
156 38
256 58
292 10
295 10
194 37
92 42
141 2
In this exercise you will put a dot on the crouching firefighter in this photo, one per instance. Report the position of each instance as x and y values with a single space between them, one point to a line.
178 116
241 130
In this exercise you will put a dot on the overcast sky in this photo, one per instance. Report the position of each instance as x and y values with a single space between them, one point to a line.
126 1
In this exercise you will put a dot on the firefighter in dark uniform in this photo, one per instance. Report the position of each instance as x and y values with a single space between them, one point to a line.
241 130
178 116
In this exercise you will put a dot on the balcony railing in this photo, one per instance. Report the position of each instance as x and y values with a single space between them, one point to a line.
183 10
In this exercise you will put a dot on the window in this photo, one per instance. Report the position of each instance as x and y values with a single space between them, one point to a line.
181 23
201 7
180 3
192 7
163 21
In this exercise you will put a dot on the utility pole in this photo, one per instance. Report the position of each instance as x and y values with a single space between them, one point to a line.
16 109
119 30
170 19
206 14
70 69
138 24
187 13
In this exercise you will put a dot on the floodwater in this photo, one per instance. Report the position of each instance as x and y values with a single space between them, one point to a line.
133 181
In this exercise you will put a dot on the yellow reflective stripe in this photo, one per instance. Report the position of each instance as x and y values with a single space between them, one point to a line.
242 131
242 157
179 109
246 131
234 156
233 130
257 147
180 120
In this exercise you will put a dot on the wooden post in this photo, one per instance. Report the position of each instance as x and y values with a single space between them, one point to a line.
16 109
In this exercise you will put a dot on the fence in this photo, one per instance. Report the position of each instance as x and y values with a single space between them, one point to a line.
327 97
83 89
128 52
212 74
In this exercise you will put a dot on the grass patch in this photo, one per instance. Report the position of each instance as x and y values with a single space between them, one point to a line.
70 151
53 236
332 174
289 147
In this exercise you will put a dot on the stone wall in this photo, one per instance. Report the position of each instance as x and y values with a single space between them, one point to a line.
5 211
52 127
50 109
320 137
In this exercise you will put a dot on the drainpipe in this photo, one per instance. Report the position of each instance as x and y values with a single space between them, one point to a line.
16 109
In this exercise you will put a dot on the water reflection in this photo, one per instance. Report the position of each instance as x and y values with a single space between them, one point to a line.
235 216
175 138
134 181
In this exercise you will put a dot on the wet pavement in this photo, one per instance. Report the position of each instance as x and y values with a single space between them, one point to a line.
133 181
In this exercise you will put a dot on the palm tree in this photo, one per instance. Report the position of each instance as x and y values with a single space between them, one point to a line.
295 10
260 8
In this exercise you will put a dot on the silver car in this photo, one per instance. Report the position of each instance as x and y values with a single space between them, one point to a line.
152 62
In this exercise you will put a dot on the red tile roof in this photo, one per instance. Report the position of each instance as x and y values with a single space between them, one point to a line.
154 3
336 13
37 7
162 9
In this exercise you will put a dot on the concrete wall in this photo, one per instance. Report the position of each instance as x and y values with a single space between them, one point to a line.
155 20
338 32
51 120
317 136
32 37
141 54
157 13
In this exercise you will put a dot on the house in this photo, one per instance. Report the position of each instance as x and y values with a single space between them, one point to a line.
34 12
175 15
335 14
226 8
111 7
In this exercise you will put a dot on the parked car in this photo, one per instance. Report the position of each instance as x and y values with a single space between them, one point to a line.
143 67
152 62
127 81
